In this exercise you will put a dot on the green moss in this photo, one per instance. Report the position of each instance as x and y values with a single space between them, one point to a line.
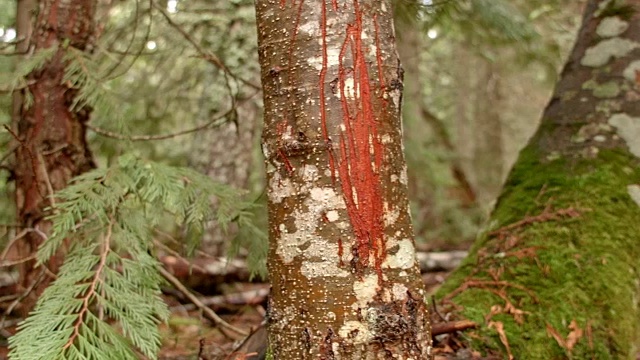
585 268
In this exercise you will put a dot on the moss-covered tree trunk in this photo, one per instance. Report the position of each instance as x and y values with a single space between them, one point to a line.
345 284
558 270
51 131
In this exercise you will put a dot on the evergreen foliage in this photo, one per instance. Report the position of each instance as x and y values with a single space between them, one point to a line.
106 218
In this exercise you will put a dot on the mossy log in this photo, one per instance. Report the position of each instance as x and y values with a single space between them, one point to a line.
556 273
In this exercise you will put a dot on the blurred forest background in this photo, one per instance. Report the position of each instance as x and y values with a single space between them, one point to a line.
177 82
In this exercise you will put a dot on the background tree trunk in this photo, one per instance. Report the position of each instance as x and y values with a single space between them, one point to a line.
345 283
557 271
51 130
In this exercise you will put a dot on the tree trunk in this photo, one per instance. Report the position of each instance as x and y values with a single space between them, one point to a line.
345 282
51 131
556 275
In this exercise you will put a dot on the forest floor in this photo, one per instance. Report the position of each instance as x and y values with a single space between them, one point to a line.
191 332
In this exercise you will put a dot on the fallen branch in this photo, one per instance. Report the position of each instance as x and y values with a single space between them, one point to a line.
209 314
452 326
249 297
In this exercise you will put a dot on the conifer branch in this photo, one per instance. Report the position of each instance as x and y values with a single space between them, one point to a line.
204 54
215 122
91 292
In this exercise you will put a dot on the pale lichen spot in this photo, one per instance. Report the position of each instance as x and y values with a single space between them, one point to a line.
310 173
404 258
394 178
632 71
399 292
602 52
326 198
311 28
328 264
628 128
281 188
386 139
404 178
365 290
611 26
372 149
332 215
333 58
373 51
306 222
391 214
349 89
634 192
395 97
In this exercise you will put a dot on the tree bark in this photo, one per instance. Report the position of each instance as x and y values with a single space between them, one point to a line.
51 131
556 274
345 282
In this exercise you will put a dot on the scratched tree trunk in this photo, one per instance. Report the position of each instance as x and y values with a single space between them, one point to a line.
556 276
52 147
345 282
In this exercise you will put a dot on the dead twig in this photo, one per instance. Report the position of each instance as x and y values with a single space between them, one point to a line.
452 326
546 215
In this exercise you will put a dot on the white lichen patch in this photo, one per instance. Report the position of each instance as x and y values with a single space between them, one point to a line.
310 28
306 218
399 292
404 178
327 266
349 89
395 97
280 188
354 332
310 173
373 51
386 139
325 199
332 215
391 214
612 26
634 192
602 52
333 58
404 258
632 71
365 290
628 128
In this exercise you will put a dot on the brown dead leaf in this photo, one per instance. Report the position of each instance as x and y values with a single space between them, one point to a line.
574 336
556 335
503 337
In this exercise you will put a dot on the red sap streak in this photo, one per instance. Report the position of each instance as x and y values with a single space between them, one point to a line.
361 151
